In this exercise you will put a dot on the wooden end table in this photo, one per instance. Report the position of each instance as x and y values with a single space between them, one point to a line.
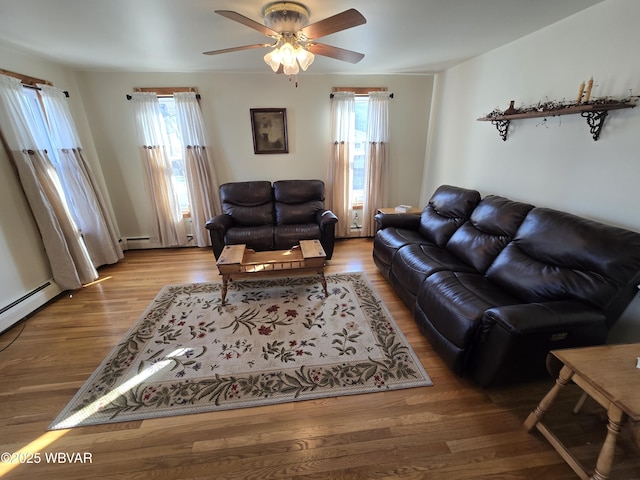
238 261
392 210
609 375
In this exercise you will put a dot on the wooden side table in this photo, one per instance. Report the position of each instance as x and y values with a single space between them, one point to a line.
609 375
390 210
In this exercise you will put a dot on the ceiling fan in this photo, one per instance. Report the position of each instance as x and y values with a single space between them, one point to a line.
294 39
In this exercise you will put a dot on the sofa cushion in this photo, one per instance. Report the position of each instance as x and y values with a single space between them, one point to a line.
297 201
454 304
387 242
492 225
297 213
257 238
559 256
447 210
287 236
416 261
248 203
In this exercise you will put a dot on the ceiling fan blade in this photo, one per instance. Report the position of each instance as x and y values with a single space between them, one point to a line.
237 49
341 21
335 52
248 22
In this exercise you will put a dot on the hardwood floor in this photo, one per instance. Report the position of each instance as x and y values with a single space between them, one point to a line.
452 430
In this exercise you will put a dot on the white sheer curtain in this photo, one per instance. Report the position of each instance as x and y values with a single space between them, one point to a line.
338 176
166 224
26 140
377 159
84 198
202 183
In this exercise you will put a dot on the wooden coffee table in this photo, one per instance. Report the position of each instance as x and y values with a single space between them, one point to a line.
609 375
238 261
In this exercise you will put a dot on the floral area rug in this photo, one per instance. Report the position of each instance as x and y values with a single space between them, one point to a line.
274 341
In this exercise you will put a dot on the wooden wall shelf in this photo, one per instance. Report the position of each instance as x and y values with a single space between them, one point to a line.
595 113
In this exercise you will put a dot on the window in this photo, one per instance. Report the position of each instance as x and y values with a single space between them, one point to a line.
176 166
358 165
175 151
39 129
358 153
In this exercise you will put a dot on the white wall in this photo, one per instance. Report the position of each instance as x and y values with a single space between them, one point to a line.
556 165
226 100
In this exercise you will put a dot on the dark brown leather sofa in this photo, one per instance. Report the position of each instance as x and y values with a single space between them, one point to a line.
272 217
496 284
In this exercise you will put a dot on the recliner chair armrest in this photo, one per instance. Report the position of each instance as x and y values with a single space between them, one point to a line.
325 217
219 222
399 220
218 227
515 340
532 317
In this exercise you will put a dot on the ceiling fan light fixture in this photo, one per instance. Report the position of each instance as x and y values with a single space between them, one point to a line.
288 54
291 58
273 59
291 69
305 58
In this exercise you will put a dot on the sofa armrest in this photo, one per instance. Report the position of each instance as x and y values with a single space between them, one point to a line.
327 220
550 316
407 221
325 217
515 340
219 222
218 227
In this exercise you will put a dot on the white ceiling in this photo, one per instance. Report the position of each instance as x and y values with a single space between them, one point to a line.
400 36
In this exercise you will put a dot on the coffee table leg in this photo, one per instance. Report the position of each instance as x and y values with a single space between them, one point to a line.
324 284
223 295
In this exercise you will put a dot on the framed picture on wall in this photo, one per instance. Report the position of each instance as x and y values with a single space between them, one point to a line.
269 129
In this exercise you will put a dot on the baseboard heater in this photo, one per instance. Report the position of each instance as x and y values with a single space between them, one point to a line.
27 304
143 243
136 243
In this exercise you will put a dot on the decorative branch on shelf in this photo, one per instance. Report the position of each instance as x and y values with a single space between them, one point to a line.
551 107
594 110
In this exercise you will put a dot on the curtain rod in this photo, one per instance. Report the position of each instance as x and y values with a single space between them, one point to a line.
29 82
360 95
66 94
129 97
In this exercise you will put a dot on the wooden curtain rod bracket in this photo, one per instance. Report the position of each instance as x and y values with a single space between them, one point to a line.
25 79
360 91
29 82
